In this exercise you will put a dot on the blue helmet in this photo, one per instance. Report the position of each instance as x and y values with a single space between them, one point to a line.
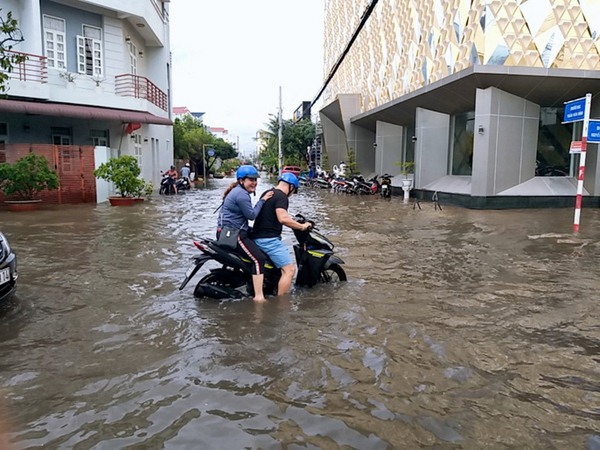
246 171
290 178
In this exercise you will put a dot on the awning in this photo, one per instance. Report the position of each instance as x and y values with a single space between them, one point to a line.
80 112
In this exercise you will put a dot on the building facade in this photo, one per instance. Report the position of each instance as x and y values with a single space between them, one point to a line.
96 83
472 91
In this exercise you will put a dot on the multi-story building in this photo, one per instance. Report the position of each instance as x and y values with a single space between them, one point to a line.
179 112
472 91
96 83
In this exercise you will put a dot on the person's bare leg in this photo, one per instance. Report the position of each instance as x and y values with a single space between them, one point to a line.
285 282
257 283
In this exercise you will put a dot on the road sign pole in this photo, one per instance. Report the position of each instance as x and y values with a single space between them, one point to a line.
581 171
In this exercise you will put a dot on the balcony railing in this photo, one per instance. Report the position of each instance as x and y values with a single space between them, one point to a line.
128 85
34 68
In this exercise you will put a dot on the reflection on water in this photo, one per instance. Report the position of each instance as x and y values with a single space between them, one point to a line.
457 328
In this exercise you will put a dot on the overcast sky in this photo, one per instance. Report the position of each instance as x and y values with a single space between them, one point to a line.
231 56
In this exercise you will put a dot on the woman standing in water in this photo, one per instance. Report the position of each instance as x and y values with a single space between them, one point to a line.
236 211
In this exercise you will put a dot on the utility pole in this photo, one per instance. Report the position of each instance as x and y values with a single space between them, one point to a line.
280 133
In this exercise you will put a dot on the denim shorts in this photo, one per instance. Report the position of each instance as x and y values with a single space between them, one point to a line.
276 250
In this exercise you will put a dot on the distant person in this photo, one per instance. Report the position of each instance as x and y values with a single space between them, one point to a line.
186 171
237 211
173 175
268 227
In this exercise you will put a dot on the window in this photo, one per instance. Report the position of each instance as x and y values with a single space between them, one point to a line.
100 138
137 148
461 160
54 42
554 143
132 58
89 51
61 136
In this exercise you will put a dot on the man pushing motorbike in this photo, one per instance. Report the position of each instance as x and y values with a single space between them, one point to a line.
268 227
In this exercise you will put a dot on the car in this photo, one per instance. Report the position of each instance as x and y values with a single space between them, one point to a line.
292 169
8 270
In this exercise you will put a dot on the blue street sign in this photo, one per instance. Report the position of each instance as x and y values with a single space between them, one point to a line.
593 131
211 152
574 110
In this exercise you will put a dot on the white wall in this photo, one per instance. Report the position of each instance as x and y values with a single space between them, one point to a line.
103 188
504 154
432 130
389 148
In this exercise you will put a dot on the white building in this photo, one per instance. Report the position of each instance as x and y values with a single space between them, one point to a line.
473 92
96 83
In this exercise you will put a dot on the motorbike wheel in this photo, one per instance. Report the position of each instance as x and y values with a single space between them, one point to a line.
219 280
333 274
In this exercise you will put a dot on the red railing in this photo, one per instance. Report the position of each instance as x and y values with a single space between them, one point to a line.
34 68
128 85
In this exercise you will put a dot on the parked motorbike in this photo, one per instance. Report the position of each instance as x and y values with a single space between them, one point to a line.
314 254
365 187
386 185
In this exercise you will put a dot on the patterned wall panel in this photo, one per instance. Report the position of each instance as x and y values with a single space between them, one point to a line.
407 44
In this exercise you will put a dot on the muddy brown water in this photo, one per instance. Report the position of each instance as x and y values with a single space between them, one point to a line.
456 329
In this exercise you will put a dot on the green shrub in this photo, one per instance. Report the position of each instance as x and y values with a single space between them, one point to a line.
123 172
27 177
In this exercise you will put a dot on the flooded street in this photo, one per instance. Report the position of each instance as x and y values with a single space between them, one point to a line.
457 329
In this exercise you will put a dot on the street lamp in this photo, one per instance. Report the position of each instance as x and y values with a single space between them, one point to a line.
210 153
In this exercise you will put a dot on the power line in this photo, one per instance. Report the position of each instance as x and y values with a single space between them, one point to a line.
338 63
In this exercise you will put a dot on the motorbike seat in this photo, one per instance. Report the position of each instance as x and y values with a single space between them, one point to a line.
242 257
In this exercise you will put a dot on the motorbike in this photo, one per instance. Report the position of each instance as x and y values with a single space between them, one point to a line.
360 186
386 185
166 185
314 253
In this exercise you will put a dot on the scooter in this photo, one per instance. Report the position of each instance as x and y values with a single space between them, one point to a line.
386 185
167 185
314 254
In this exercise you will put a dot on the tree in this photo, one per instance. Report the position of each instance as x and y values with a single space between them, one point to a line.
191 140
295 140
9 35
269 156
351 161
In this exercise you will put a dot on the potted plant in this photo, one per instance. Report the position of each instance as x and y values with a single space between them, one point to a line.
23 180
123 172
406 168
69 78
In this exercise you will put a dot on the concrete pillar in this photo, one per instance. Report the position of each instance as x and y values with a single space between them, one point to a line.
505 142
389 139
432 130
334 139
362 143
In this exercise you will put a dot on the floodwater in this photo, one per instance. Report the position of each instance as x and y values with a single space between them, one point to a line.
456 329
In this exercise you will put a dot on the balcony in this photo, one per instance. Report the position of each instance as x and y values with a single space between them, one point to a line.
128 85
34 68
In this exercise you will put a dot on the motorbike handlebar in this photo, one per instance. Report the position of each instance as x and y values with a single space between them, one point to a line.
301 219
